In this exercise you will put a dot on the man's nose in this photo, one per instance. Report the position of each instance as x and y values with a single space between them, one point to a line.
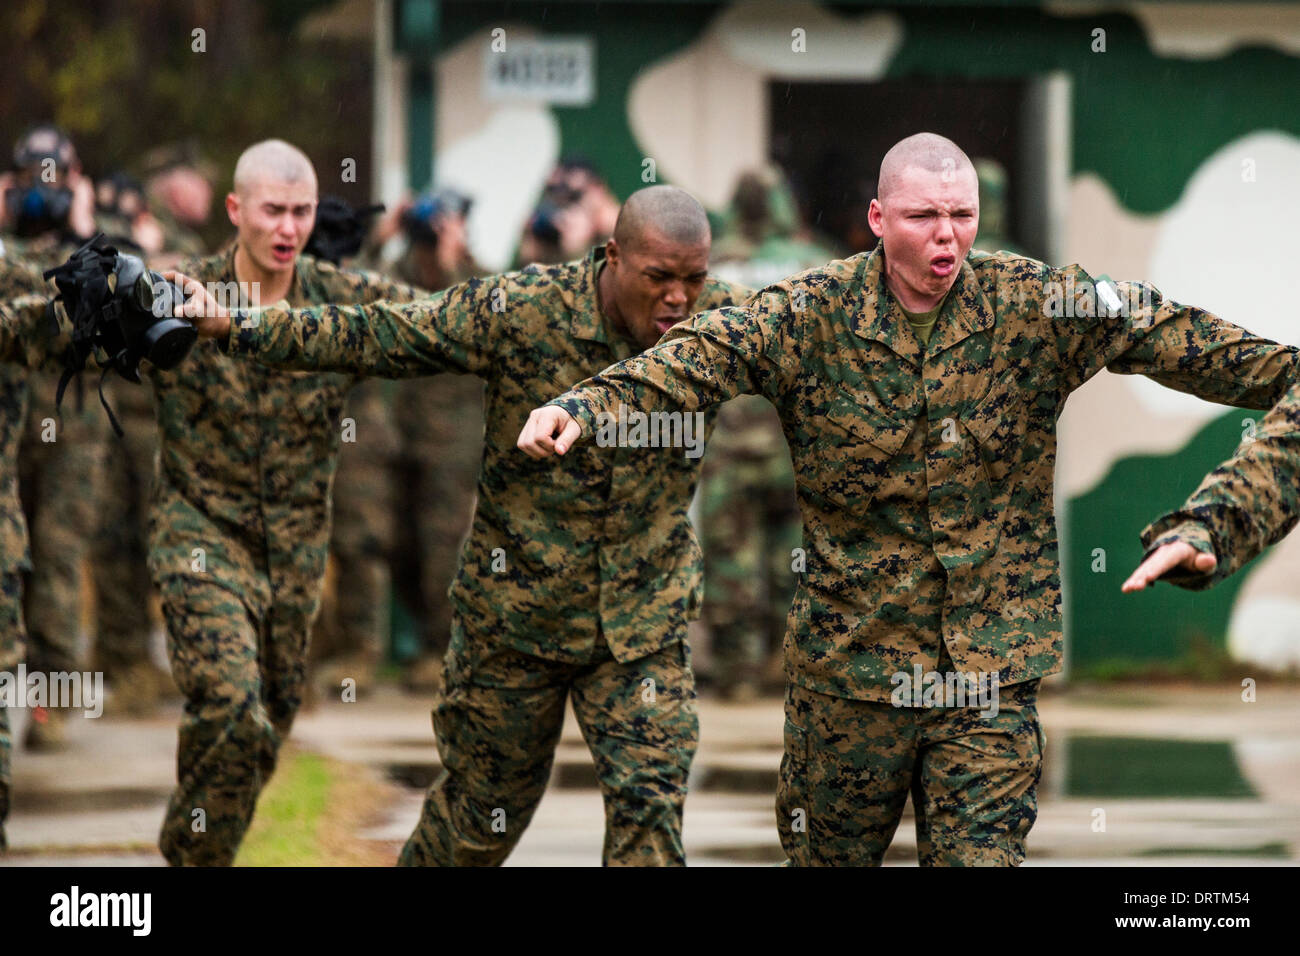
676 294
943 231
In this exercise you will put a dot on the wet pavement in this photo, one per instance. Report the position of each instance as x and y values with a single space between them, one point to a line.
1167 774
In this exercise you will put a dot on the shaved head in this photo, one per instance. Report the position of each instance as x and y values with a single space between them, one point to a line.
672 213
273 160
928 151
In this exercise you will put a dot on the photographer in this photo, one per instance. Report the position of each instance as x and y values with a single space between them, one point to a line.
576 211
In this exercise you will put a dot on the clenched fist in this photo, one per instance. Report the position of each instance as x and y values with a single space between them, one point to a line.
549 430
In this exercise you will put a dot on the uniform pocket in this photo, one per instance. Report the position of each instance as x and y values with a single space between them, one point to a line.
793 813
998 426
854 450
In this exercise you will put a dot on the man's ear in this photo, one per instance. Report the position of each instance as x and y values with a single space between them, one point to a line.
232 208
611 251
876 218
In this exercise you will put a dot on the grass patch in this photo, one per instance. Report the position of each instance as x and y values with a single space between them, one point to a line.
310 814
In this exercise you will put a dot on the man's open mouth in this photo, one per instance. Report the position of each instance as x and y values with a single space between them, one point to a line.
943 265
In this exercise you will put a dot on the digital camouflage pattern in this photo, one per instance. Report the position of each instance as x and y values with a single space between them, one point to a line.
849 765
577 572
498 721
1246 504
925 481
17 279
60 466
239 531
925 476
602 533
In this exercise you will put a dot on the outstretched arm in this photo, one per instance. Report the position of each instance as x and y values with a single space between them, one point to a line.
1179 346
456 330
1246 504
715 356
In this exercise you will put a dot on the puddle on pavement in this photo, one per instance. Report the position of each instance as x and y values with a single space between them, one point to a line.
1278 851
27 800
1150 767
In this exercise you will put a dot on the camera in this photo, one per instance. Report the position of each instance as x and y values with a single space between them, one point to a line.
118 305
544 224
420 222
37 209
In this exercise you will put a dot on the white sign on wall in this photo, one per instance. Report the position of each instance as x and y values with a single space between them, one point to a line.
560 70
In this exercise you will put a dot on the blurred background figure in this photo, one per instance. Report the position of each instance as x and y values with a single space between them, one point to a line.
349 638
404 492
440 428
49 209
178 185
748 512
122 214
577 211
992 235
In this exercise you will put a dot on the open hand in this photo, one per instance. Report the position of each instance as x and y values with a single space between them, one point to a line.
1166 558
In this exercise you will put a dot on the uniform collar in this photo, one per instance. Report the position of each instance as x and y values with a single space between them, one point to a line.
880 317
294 296
587 321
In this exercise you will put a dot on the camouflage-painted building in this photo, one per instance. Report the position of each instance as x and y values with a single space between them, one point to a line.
1141 140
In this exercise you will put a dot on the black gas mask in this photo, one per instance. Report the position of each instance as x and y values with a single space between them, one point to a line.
115 304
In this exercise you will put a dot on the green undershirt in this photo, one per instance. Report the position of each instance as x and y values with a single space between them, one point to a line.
922 323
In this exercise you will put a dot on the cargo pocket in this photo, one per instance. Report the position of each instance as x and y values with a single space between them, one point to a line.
998 426
793 813
854 450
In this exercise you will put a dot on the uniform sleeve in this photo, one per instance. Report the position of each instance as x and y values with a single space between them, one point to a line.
1246 504
375 287
1179 346
719 293
456 330
715 356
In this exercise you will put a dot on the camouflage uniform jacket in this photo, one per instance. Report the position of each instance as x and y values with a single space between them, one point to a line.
562 553
1246 504
925 476
246 455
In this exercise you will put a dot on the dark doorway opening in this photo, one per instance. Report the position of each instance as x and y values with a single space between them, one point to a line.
830 138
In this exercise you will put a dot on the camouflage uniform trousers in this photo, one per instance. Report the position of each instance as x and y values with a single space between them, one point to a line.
11 654
440 420
120 557
355 615
849 764
498 721
242 680
749 528
59 481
